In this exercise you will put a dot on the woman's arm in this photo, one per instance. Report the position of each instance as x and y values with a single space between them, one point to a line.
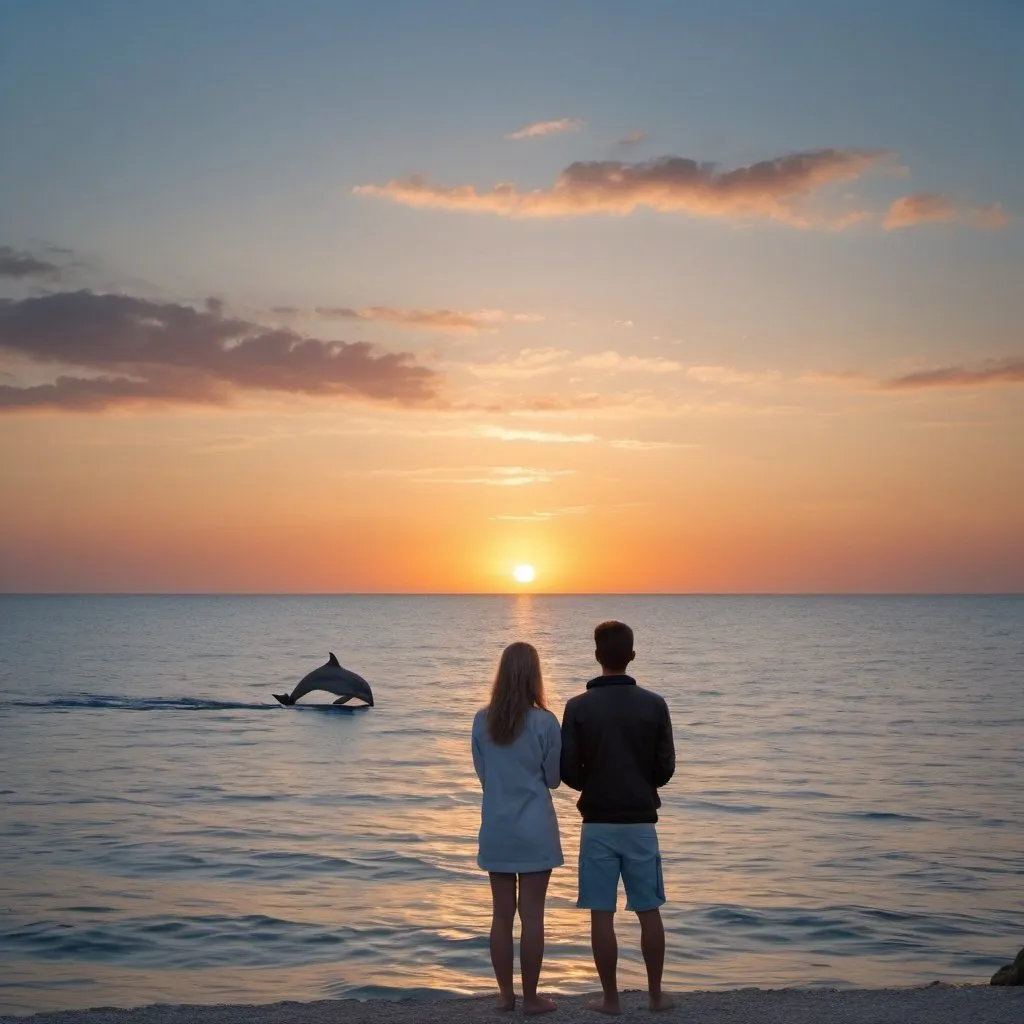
551 744
478 755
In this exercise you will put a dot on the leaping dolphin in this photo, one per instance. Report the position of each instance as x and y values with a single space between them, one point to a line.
331 678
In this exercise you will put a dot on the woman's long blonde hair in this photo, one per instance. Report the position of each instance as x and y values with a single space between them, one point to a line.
518 686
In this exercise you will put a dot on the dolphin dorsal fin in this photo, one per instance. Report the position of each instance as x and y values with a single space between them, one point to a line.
333 661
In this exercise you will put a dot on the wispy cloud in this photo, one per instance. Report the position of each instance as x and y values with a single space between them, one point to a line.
995 371
630 139
543 517
539 129
729 375
774 189
570 510
991 372
621 404
486 476
650 446
17 264
417 319
935 208
409 427
629 364
541 436
529 362
140 351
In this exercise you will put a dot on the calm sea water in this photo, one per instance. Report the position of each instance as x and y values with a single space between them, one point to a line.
847 808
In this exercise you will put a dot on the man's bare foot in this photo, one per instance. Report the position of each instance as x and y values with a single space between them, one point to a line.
538 1004
662 1001
506 1004
605 1005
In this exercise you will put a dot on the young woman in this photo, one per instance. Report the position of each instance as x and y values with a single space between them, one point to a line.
516 747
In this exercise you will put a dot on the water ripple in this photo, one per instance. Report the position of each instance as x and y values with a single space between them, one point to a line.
842 813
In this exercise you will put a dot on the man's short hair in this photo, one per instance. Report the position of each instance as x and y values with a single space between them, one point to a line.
614 643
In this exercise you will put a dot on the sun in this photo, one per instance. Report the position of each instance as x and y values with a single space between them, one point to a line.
524 573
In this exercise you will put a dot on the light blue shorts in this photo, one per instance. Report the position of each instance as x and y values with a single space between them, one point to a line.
608 851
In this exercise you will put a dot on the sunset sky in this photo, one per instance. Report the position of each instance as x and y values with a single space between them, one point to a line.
677 296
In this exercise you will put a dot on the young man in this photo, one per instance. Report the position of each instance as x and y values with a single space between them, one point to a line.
617 750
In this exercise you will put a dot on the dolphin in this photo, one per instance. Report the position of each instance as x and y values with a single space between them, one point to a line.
331 678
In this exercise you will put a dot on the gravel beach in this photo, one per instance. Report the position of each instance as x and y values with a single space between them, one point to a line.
970 1004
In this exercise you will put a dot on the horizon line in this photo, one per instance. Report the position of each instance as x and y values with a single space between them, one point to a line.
512 593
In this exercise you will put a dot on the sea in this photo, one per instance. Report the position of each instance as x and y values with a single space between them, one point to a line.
847 809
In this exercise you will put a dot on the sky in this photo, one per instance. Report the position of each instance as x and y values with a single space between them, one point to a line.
712 296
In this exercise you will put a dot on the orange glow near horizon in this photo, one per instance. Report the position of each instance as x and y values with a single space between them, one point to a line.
126 505
138 503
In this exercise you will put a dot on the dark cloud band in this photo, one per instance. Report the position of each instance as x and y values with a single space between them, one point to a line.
137 350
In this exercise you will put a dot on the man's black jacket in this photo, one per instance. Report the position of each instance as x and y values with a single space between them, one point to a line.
617 749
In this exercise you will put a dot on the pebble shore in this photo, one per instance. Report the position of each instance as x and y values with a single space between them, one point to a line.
937 1004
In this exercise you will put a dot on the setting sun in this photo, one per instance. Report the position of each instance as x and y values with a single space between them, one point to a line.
524 573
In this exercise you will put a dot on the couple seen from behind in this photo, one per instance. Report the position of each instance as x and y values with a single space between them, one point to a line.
615 746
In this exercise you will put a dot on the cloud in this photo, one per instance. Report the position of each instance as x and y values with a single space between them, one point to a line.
487 476
624 404
140 351
650 446
633 138
571 510
728 375
493 432
935 208
417 319
637 364
543 517
542 436
835 378
770 190
17 264
530 362
627 406
995 371
541 128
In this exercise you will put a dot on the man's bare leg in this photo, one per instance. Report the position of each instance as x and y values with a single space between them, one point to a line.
503 916
652 945
606 959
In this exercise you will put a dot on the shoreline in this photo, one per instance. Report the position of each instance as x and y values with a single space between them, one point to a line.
937 1003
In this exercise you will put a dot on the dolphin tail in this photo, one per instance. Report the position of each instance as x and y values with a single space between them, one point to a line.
284 698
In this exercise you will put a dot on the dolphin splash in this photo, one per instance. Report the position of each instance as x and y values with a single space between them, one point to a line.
331 678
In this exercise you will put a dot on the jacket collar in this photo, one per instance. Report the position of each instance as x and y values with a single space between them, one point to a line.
619 680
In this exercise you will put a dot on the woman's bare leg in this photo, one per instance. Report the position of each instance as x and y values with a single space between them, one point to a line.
533 890
503 915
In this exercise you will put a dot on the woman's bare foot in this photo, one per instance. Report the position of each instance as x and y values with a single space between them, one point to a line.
662 1001
506 1004
605 1005
538 1004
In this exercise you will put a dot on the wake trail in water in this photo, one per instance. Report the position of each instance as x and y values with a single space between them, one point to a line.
107 702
